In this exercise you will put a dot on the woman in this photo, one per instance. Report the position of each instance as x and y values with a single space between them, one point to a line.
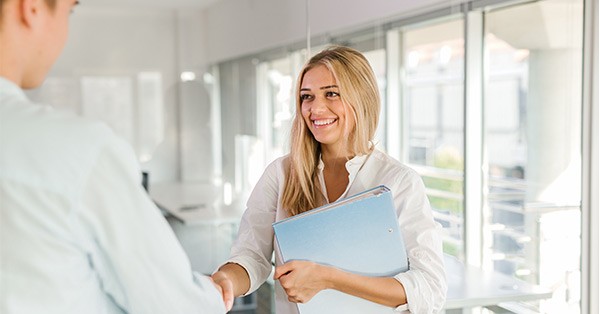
332 157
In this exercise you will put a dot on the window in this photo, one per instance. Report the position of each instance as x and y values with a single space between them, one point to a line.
520 66
533 146
433 109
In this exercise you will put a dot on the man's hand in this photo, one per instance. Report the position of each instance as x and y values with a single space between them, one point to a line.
225 286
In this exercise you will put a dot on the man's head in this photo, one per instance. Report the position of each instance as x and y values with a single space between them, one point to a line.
33 33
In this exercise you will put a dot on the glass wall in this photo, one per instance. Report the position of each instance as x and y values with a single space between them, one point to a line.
433 88
533 146
276 81
530 128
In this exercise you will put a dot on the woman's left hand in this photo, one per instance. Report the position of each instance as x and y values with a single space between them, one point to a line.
301 280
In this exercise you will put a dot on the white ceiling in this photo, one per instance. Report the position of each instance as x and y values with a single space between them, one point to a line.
148 3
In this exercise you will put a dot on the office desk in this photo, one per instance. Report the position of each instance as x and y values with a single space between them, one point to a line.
470 286
196 203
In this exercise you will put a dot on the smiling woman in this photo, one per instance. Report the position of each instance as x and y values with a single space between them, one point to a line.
333 156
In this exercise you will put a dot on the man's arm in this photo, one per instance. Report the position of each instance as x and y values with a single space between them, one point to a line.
139 260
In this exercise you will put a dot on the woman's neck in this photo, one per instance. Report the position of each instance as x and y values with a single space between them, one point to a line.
334 155
335 176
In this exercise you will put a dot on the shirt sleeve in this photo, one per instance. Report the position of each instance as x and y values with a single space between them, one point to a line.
253 247
131 247
425 281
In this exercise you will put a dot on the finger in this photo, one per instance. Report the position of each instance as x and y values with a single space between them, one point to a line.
284 282
281 270
296 300
219 288
228 295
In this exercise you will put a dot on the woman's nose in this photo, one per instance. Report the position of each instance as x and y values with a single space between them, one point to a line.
318 105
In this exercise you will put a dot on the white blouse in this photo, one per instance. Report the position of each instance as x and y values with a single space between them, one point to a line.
424 282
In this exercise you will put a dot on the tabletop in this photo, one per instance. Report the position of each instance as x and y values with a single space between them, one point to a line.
195 203
470 286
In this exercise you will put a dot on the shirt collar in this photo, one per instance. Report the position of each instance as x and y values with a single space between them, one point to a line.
352 166
10 88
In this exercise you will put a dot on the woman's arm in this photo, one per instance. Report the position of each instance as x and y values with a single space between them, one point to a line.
249 264
301 280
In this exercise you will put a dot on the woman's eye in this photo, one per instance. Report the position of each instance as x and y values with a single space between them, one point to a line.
331 94
304 97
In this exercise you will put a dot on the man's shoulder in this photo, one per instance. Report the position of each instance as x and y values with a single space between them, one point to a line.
41 142
39 120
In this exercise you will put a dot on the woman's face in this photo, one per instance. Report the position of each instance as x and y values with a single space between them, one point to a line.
323 110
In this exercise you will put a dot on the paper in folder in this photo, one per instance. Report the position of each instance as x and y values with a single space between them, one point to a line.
358 234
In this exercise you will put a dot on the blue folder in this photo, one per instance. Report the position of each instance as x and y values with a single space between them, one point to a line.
358 234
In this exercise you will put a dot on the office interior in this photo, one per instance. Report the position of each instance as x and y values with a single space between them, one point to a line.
493 102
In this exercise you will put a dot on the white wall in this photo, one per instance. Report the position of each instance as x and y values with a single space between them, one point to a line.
241 27
123 42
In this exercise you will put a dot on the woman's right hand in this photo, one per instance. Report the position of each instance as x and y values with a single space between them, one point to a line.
221 279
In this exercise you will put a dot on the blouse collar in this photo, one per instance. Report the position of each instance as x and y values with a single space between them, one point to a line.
353 166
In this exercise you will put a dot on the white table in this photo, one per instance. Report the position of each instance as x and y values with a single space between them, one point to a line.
195 203
469 287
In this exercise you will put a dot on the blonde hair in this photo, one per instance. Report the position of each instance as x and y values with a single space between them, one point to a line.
360 96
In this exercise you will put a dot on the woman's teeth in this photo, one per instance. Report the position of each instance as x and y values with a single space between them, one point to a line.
323 122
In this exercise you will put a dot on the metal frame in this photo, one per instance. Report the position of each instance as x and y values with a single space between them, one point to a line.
473 137
590 242
395 108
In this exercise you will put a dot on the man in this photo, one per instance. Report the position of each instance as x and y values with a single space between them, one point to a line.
78 234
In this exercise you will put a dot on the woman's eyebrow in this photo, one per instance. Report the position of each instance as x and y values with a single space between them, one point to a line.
324 87
329 86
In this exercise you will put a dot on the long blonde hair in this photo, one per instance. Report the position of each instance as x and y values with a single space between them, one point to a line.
360 96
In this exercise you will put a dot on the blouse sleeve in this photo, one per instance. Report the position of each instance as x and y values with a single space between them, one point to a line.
253 247
425 281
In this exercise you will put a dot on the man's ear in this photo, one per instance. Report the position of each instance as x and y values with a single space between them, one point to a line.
30 11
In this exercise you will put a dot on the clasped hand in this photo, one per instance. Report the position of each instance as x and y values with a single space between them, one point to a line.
224 285
301 280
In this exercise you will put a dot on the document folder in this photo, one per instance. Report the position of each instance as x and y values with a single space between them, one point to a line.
358 234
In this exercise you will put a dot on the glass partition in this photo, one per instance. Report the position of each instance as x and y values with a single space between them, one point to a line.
433 86
533 146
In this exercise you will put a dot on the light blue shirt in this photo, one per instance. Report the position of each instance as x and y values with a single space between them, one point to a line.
78 234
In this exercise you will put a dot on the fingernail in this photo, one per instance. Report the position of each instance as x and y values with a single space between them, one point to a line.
229 304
